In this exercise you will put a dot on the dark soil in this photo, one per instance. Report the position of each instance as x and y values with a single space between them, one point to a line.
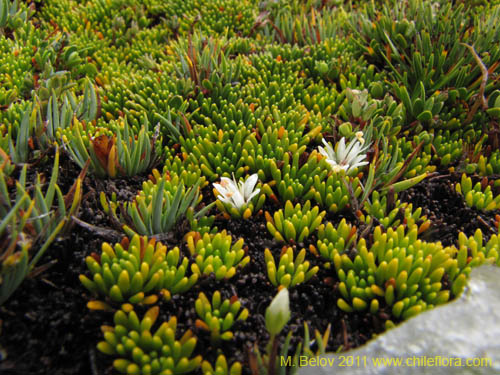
447 210
47 328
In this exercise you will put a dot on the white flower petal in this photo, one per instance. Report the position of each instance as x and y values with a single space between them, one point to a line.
353 155
359 164
236 193
249 186
221 189
229 184
323 152
249 198
235 183
238 199
331 162
352 148
341 149
345 157
329 148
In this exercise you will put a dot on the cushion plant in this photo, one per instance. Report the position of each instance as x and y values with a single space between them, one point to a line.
237 170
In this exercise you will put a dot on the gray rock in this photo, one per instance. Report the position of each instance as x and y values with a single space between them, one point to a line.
467 329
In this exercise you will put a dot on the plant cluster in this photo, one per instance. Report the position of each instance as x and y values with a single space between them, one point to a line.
334 241
136 270
221 367
219 316
390 212
289 271
294 224
472 252
293 180
309 119
398 271
479 195
143 351
217 254
161 203
335 192
33 219
123 154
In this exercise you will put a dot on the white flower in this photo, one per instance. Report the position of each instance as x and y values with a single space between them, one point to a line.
237 194
278 312
345 158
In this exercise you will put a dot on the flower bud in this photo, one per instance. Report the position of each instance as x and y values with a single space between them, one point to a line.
278 312
345 129
321 67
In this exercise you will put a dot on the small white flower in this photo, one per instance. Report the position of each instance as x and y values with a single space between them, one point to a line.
345 158
237 194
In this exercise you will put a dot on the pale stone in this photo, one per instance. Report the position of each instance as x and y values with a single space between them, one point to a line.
465 329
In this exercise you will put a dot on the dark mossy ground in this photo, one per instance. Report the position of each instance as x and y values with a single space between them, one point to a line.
47 328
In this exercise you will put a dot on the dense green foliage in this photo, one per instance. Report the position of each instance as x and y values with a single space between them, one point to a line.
314 108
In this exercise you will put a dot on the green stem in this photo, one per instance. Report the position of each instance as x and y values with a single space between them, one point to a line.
272 357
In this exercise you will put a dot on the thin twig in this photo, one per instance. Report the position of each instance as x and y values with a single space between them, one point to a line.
262 20
92 359
481 220
480 100
436 176
406 164
367 229
40 269
109 234
162 237
50 283
252 362
344 335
